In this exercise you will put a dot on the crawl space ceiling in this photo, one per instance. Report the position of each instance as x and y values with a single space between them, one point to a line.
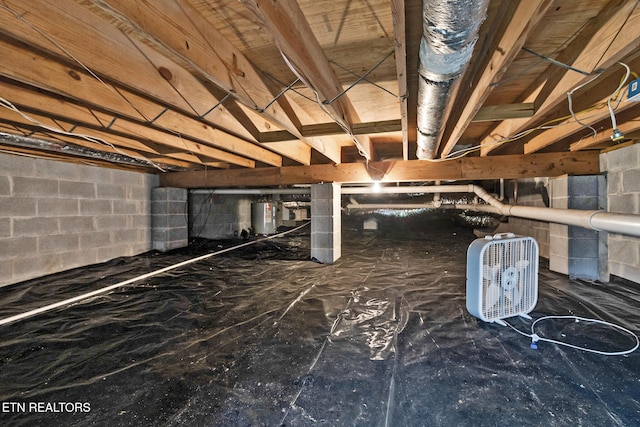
223 93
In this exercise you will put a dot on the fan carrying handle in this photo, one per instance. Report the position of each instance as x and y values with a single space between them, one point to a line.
499 236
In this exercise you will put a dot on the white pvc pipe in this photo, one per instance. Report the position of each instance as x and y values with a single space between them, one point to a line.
254 191
627 224
390 206
55 305
461 188
436 198
478 208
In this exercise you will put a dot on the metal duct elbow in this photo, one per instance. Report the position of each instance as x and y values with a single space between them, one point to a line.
450 30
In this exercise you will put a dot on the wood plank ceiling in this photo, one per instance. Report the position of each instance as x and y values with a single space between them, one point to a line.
267 92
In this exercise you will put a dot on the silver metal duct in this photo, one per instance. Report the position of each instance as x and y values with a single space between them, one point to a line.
450 31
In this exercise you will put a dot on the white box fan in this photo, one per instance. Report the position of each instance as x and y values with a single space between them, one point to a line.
502 277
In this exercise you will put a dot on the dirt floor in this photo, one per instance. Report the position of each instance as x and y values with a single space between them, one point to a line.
263 336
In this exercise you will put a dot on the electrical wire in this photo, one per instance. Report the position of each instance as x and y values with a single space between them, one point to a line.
535 337
614 125
570 100
615 96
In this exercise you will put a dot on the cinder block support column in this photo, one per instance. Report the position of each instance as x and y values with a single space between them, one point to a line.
576 251
169 218
326 235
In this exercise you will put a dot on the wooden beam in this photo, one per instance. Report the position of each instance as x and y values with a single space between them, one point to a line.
127 134
613 36
324 129
295 38
179 31
106 123
295 150
604 136
31 68
320 129
526 18
493 113
413 14
400 43
330 147
468 168
69 26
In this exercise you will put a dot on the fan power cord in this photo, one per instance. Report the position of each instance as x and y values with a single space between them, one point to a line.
535 337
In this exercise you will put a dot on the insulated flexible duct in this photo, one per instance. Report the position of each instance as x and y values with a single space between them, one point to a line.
450 30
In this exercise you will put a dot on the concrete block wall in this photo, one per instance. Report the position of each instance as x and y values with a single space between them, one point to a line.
169 228
55 216
622 168
577 251
215 216
529 193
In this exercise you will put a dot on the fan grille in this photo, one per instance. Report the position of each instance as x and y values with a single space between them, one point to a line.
510 278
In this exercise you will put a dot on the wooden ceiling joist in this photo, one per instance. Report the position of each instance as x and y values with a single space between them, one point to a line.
495 113
295 39
324 129
400 46
62 29
603 137
86 89
179 31
615 36
524 20
129 134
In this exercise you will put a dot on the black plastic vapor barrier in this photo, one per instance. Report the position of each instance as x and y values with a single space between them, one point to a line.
264 336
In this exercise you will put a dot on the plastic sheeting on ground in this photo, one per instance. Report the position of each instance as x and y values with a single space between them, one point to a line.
263 336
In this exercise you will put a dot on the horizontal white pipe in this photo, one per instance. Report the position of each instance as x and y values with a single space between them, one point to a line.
254 191
464 207
390 206
66 302
462 188
627 224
